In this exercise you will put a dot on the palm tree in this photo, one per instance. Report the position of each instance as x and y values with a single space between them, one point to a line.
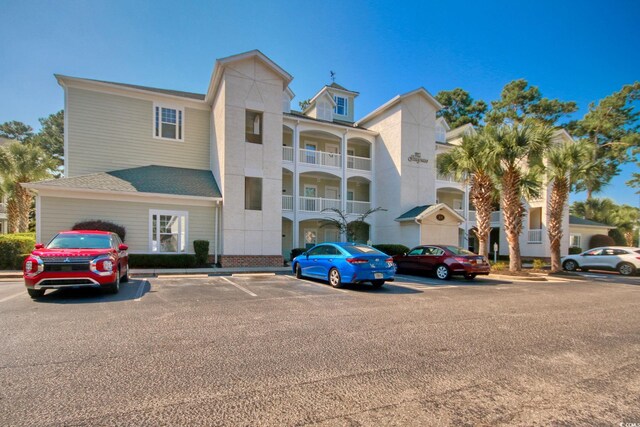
626 219
345 225
566 164
470 162
21 163
595 209
516 153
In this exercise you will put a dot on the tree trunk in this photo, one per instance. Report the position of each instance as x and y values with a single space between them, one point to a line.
512 211
481 193
628 236
13 215
557 201
24 199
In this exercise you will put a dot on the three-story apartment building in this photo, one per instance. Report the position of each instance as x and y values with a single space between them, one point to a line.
238 167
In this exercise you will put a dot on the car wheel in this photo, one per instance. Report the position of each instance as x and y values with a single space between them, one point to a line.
298 271
377 283
334 278
469 276
35 293
442 272
570 265
114 288
626 269
125 278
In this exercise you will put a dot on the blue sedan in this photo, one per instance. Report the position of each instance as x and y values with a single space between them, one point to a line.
342 263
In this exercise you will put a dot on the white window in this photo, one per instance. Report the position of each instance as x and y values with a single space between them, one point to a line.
168 122
341 107
575 240
168 231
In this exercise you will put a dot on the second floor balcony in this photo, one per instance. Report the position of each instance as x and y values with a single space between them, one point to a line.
319 204
326 158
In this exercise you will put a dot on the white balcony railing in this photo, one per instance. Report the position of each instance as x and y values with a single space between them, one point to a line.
535 236
317 204
321 158
360 163
287 203
287 154
357 207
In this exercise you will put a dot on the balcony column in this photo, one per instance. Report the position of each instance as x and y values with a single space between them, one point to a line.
296 186
343 180
465 214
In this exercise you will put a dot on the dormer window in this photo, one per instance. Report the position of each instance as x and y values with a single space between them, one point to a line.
341 107
168 122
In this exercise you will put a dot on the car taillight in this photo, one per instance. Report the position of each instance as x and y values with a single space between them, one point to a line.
461 260
33 266
357 261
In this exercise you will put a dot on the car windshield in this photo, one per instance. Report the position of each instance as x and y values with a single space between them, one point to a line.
361 249
80 241
459 251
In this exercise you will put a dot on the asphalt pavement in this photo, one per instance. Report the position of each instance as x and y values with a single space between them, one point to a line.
274 350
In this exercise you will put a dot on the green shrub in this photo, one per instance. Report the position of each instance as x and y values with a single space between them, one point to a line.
598 240
618 237
500 265
201 248
98 224
574 250
11 246
392 248
297 251
162 261
19 261
539 264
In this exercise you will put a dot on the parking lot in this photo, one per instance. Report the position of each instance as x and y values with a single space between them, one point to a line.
274 350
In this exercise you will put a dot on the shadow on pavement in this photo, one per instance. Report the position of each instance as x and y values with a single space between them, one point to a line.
128 291
430 280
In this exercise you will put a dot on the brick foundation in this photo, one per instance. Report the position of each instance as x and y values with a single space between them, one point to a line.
251 261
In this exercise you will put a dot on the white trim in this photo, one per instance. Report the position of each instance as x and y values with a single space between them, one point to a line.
293 119
159 212
393 101
180 128
81 193
38 219
65 160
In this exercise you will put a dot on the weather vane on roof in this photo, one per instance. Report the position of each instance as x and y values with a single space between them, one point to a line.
333 76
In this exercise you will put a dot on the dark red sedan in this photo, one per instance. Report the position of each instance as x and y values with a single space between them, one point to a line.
445 261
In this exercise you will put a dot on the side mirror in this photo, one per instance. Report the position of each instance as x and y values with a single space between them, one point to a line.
123 247
306 254
404 254
39 246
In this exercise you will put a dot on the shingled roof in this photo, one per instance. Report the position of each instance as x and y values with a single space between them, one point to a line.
576 220
146 179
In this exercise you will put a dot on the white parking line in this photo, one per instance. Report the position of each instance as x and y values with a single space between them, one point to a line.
140 290
242 288
11 297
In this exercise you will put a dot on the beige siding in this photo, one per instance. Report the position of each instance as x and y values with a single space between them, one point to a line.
109 132
61 213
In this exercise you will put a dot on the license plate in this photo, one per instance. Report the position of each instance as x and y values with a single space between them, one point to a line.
378 275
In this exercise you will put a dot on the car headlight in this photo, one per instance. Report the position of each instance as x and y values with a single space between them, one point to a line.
33 266
102 266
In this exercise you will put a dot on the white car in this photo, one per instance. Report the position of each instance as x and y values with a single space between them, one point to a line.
625 260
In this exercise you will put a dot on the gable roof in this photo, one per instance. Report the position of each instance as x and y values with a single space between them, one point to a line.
190 95
443 121
398 98
145 179
576 220
324 91
335 85
419 212
221 63
460 131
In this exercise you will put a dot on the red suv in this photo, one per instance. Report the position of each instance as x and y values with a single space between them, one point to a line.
73 259
444 261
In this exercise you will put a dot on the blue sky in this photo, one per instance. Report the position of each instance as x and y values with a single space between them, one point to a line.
573 50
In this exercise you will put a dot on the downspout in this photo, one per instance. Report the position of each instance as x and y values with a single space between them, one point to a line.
215 236
419 230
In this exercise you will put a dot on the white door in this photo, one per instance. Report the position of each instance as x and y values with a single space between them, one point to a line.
331 194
